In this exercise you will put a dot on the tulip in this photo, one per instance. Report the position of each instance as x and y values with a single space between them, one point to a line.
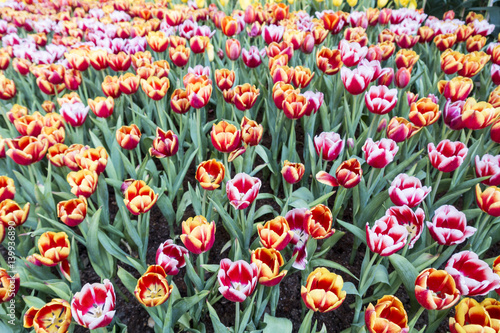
29 125
98 59
402 78
27 149
48 106
94 305
302 77
225 137
171 257
492 307
179 55
275 234
407 190
70 154
495 74
252 57
475 43
93 159
197 234
152 287
319 225
11 214
406 59
323 290
387 49
356 81
272 33
424 112
245 96
233 49
78 59
56 312
158 41
237 280
268 262
9 285
224 78
315 101
298 219
386 76
379 154
388 315
489 165
449 226
413 221
447 156
139 197
111 86
426 34
349 173
179 102
295 105
165 144
473 276
495 132
400 129
451 61
199 94
75 114
329 61
478 115
210 174
128 137
386 236
251 132
436 289
352 53
456 89
489 200
54 247
279 49
470 316
292 172
280 91
229 26
445 41
282 73
380 99
56 153
473 63
7 188
155 88
356 35
452 115
242 190
83 182
72 212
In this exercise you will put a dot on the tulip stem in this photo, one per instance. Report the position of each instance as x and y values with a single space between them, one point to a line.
203 203
160 118
468 137
436 187
415 318
226 166
237 317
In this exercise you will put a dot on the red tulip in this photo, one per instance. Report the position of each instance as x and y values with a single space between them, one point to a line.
447 156
352 53
233 49
489 165
403 76
292 172
237 280
349 173
380 99
171 257
197 234
449 226
400 129
489 200
379 154
275 234
452 114
413 221
436 290
319 226
407 190
225 137
94 305
473 276
356 81
298 219
242 190
253 57
386 236
165 144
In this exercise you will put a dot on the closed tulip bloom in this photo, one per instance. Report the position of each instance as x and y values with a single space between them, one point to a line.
319 225
489 200
475 43
302 77
229 26
473 63
210 174
374 53
54 247
27 149
279 49
128 137
245 96
152 287
102 106
72 212
98 59
199 94
426 34
129 83
452 115
488 165
242 190
356 35
111 86
449 226
447 156
83 182
233 49
251 132
356 81
275 234
179 102
379 154
78 59
424 112
225 137
224 78
252 58
478 115
179 55
171 257
495 74
352 52
282 73
451 61
165 144
436 289
54 314
139 197
403 77
495 132
158 41
407 190
329 61
9 285
380 99
292 172
387 48
11 214
456 89
268 262
400 129
29 125
280 92
406 58
387 236
48 106
349 173
197 234
70 154
94 305
93 159
155 88
56 153
470 316
74 114
7 188
323 290
385 77
295 105
445 41
237 280
389 315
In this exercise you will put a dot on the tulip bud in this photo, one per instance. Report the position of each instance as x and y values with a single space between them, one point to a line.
403 76
165 144
72 212
449 226
251 132
128 137
242 190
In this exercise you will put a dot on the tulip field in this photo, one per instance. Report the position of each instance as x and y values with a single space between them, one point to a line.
249 166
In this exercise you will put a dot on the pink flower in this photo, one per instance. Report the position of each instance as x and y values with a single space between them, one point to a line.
380 99
352 53
407 190
94 305
387 236
379 154
298 219
252 57
413 221
447 156
171 257
373 64
452 114
495 74
315 100
328 145
385 77
449 226
242 190
472 275
237 280
356 81
358 19
74 114
272 33
489 165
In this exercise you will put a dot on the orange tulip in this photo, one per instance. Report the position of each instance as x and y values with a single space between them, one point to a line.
386 35
492 307
426 34
53 135
475 43
9 285
424 112
406 58
11 214
295 105
210 174
323 290
54 247
72 212
83 182
445 41
48 106
56 153
388 315
478 115
102 106
155 88
27 149
225 137
268 261
7 188
436 289
93 159
139 197
329 61
275 234
7 88
471 317
464 32
162 68
111 87
473 63
224 78
245 96
319 226
251 132
198 235
29 125
302 77
158 41
457 89
489 200
229 26
70 153
179 101
55 314
152 288
128 137
129 83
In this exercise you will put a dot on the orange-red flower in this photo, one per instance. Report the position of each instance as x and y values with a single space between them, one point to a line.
426 34
199 93
292 172
323 290
129 83
424 112
111 87
245 96
93 159
179 101
162 68
445 41
198 235
210 174
11 214
7 188
329 61
165 144
251 132
128 137
268 261
436 289
7 88
98 59
473 63
78 59
406 58
158 41
152 287
319 226
478 115
457 89
295 105
155 88
29 125
102 106
229 26
224 78
48 106
139 197
56 153
225 137
179 55
72 212
463 32
302 77
489 200
54 247
27 149
275 233
83 182
470 317
475 43
9 285
55 314
389 315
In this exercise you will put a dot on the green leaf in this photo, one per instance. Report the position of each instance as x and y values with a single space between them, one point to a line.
216 323
195 279
358 232
306 323
331 264
184 304
406 271
275 324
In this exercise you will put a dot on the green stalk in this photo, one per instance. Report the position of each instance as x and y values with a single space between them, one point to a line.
415 318
435 189
237 317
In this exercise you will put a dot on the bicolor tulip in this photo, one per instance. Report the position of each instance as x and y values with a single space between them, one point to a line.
388 315
101 106
407 190
54 247
329 61
292 172
319 225
380 153
488 165
380 99
323 290
456 89
54 314
424 112
198 235
478 115
139 197
352 52
449 226
82 182
251 132
268 262
225 137
72 212
237 280
275 234
128 137
242 190
357 80
436 289
171 257
489 200
245 96
93 159
7 188
413 221
470 316
9 285
11 214
152 287
210 174
452 114
94 305
224 78
387 236
179 101
447 156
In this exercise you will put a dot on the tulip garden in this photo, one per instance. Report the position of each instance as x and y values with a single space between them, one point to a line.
301 166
